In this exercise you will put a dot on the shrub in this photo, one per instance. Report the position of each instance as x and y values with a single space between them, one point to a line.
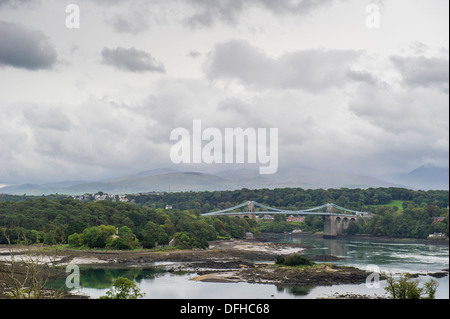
293 260
280 260
75 240
407 288
123 288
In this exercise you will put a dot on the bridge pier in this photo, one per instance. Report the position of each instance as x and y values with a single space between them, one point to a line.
336 225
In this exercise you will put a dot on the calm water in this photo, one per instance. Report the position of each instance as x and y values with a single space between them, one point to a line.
395 257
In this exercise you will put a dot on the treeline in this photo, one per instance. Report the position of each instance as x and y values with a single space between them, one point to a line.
292 198
53 219
412 222
285 198
94 224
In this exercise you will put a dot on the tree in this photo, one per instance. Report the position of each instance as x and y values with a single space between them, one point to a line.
75 240
97 237
123 288
407 288
125 240
353 228
150 235
27 275
293 260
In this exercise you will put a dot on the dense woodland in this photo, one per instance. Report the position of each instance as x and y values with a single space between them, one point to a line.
145 223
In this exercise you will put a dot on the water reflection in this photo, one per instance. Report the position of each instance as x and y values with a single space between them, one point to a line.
156 282
294 290
101 278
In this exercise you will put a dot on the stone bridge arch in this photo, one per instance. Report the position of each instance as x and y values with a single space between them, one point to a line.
336 225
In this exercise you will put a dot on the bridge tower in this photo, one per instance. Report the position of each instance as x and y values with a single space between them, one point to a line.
330 209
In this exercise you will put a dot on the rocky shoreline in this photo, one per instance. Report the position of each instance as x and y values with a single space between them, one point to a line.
233 261
250 261
310 276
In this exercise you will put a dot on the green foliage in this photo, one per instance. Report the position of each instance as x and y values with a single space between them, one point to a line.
75 240
413 222
407 288
98 237
123 288
53 219
293 260
293 198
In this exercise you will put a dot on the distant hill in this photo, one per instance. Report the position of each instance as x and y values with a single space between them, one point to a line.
291 177
165 179
425 177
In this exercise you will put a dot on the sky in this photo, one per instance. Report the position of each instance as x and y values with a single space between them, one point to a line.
350 89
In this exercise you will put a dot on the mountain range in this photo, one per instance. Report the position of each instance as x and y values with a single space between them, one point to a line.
172 180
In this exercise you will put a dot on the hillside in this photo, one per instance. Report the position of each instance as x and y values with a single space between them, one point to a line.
161 180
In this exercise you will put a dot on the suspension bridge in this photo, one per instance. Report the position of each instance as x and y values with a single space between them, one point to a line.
337 218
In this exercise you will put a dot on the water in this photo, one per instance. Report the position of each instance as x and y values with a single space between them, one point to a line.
389 257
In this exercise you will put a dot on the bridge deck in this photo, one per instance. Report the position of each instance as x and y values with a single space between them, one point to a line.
279 213
271 210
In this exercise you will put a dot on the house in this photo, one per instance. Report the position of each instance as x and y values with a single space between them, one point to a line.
268 217
437 235
168 207
437 220
292 218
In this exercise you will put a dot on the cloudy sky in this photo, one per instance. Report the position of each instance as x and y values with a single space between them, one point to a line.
100 100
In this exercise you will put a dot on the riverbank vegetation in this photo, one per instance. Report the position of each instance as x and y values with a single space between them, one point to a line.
111 225
146 223
412 222
405 287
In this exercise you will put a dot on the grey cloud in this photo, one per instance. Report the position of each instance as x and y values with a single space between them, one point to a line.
108 2
423 72
15 3
21 47
210 11
194 54
207 13
403 112
230 10
134 23
312 70
362 76
131 60
52 119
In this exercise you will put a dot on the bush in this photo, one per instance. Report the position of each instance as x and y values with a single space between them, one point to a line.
75 240
124 242
280 260
123 288
407 288
293 260
97 237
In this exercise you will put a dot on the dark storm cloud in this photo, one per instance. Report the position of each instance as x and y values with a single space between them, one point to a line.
423 72
21 47
131 60
311 70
